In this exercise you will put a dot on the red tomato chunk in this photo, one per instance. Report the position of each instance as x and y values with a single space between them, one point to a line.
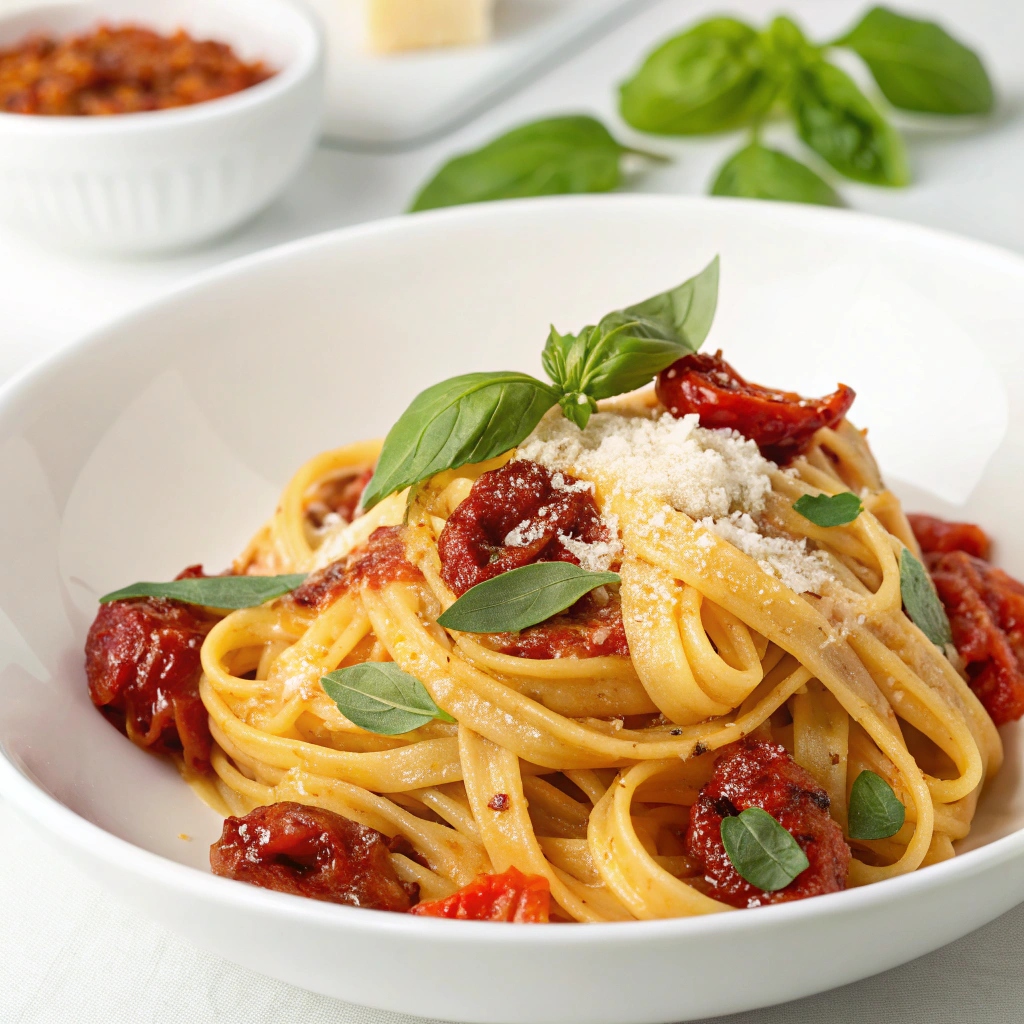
753 773
780 422
936 536
308 851
512 896
142 663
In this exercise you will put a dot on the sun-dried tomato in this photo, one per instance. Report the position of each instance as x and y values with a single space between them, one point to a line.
937 536
511 896
515 516
378 562
312 852
753 773
780 422
142 664
986 612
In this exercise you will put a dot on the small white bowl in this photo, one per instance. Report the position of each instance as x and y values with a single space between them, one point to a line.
132 184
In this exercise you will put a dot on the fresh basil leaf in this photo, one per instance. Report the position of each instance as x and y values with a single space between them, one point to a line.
761 850
840 123
826 510
466 419
875 813
712 78
920 66
787 48
630 347
214 591
757 172
380 697
921 600
522 597
557 156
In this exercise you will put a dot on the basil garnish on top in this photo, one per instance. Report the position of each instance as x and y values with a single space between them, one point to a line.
379 697
829 510
875 813
477 416
761 850
522 597
231 592
922 602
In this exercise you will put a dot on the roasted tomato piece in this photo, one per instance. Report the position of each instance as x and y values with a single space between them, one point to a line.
515 516
308 851
591 628
753 773
937 536
378 562
511 896
338 496
142 664
780 422
986 612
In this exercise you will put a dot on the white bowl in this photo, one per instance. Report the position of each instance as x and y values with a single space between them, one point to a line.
142 183
164 439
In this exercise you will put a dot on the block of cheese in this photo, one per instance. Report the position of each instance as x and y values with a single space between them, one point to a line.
394 25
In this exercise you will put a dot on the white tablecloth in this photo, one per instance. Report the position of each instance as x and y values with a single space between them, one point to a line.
68 952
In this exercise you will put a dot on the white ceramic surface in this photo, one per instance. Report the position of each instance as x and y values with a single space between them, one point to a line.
400 100
164 440
156 181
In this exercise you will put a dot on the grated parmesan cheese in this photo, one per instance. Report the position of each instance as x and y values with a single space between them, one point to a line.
717 477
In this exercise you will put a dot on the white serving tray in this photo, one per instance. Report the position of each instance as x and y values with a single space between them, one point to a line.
403 100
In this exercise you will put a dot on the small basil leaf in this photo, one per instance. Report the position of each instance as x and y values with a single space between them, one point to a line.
875 813
922 602
556 156
919 66
232 592
466 419
630 347
756 172
825 510
380 697
787 48
522 597
761 850
712 78
839 123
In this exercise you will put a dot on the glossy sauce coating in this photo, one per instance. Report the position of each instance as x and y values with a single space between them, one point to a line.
937 536
119 70
142 664
511 896
780 422
312 852
378 562
754 773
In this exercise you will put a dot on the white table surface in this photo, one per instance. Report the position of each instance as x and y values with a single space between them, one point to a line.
68 952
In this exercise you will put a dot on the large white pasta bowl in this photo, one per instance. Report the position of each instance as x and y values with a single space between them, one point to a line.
163 440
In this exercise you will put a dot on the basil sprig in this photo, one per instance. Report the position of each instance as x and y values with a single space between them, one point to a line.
875 813
757 172
478 416
921 600
232 592
829 510
522 597
722 74
918 65
761 850
555 156
381 698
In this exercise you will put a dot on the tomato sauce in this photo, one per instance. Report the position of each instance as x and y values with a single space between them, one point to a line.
780 422
120 70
